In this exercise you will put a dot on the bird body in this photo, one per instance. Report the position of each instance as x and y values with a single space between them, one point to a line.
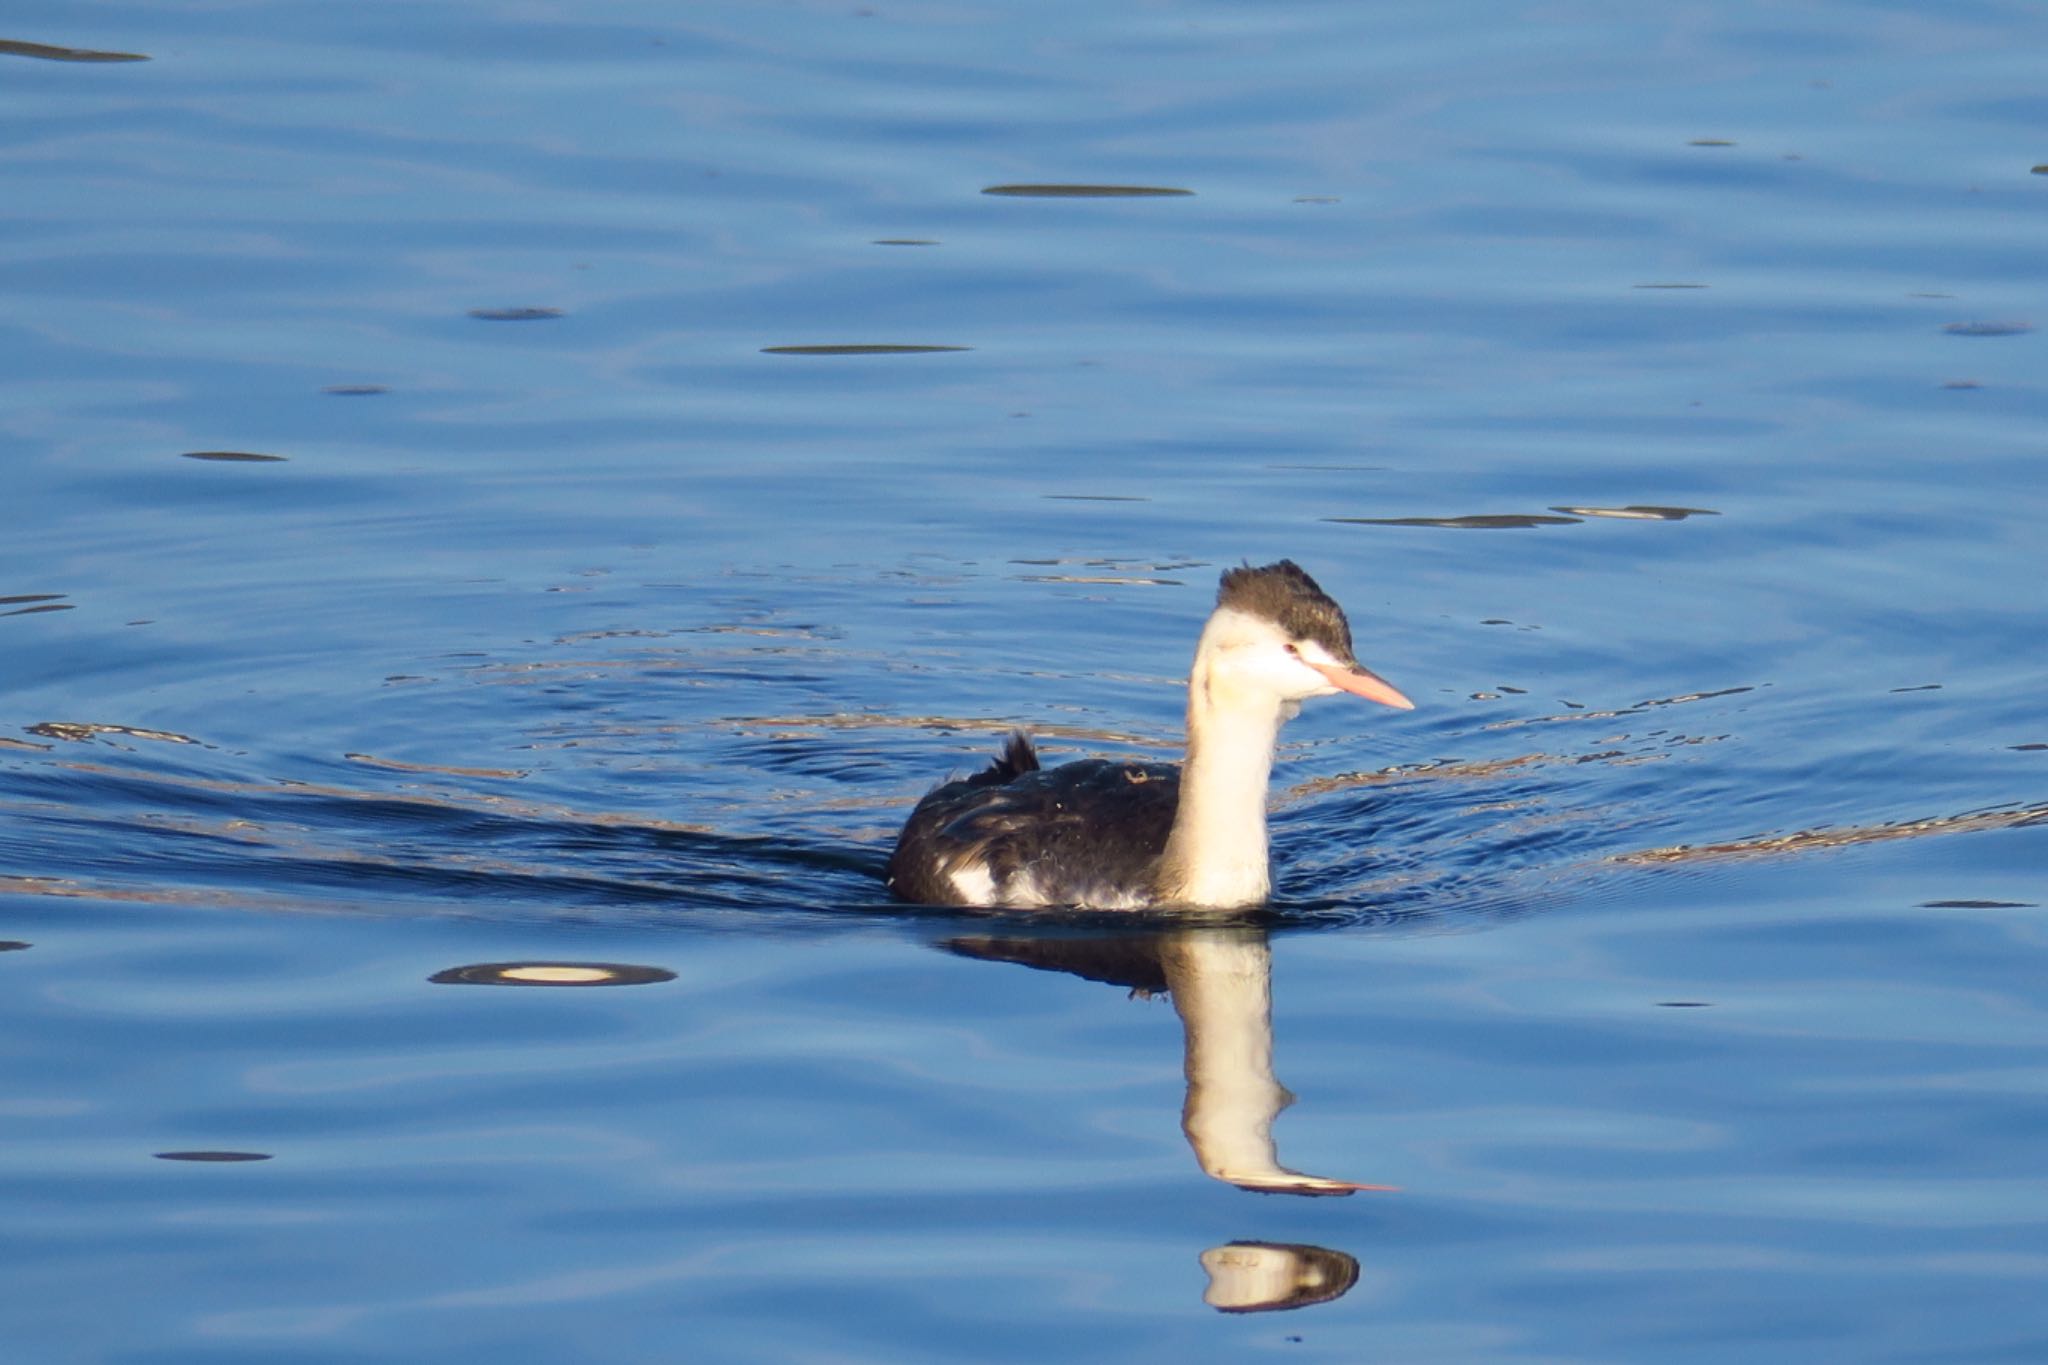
1105 835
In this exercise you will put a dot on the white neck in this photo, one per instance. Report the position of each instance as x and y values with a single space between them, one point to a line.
1216 855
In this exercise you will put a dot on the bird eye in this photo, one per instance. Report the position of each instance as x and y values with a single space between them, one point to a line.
1294 649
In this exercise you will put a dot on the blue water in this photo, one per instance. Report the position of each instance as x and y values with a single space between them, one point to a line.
1679 959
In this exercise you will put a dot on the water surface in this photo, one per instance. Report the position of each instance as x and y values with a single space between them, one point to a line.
510 506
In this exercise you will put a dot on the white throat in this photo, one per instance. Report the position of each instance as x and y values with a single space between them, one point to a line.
1216 855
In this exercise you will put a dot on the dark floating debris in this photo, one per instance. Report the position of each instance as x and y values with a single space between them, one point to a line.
1962 384
2027 748
1502 522
1988 329
80 732
354 390
1639 512
1084 191
15 48
1923 687
903 241
1977 905
1667 286
552 974
1684 1004
514 314
13 945
211 1156
1710 142
2041 169
233 456
863 348
47 606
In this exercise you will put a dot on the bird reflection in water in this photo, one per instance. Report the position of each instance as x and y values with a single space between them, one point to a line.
1220 981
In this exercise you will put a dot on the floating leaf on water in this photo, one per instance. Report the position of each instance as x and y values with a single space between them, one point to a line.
1500 522
233 456
1988 329
15 48
551 974
514 314
1639 512
1084 191
862 348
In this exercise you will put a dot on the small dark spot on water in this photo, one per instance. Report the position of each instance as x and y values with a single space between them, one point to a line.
354 390
860 348
1513 691
1486 522
1084 191
903 241
1988 329
2026 748
551 974
1639 512
1684 1004
1962 384
13 945
1091 497
15 48
1710 142
1924 294
1977 905
1495 621
1667 286
233 456
1317 199
212 1156
514 314
2041 169
1923 687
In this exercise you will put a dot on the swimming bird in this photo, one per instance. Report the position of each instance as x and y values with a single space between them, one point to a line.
1102 834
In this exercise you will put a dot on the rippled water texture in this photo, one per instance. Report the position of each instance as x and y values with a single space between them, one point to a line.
508 505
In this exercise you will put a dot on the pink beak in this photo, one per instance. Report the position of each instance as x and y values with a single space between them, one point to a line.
1363 682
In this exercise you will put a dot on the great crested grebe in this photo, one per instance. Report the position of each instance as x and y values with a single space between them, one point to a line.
1106 835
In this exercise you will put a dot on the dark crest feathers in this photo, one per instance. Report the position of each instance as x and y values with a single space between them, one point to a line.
1284 594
